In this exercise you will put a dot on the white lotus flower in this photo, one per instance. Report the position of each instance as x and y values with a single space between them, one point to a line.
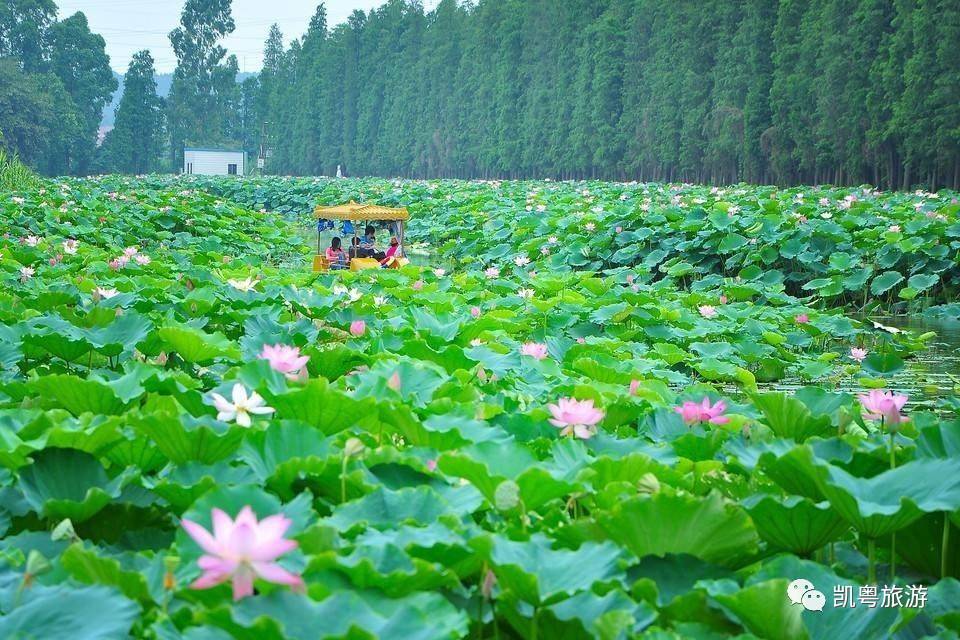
521 261
106 294
439 272
17 200
526 294
243 285
70 246
379 301
142 259
242 407
26 273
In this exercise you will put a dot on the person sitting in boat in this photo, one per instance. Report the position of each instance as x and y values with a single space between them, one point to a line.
368 246
336 256
392 252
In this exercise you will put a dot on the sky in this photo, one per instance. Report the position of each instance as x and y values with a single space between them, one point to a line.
131 25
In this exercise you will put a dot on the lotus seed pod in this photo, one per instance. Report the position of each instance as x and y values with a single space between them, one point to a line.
648 483
507 495
353 447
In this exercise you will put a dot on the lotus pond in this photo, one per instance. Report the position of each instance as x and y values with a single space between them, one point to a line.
600 411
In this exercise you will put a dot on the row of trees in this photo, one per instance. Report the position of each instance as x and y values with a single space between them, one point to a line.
55 79
790 91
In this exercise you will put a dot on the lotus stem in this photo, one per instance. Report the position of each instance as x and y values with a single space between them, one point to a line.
534 629
343 480
893 536
871 561
945 544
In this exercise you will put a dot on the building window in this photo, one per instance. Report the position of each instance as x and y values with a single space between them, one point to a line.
189 167
232 169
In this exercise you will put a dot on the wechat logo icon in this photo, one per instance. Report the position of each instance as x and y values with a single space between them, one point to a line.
802 592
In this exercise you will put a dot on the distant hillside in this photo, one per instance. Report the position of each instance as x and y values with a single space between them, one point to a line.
164 80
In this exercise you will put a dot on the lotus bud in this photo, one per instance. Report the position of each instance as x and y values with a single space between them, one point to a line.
394 382
929 335
37 564
64 531
170 564
648 483
489 582
845 418
507 495
162 358
353 447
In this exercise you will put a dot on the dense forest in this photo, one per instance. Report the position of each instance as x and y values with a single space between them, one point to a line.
762 91
795 91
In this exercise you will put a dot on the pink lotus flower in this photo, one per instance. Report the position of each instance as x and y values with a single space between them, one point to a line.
634 386
858 354
115 264
575 417
31 241
492 272
241 550
696 412
394 382
285 360
707 311
418 285
883 405
431 465
130 252
619 229
358 328
26 273
723 299
475 312
894 228
545 250
142 259
630 278
801 318
581 340
534 350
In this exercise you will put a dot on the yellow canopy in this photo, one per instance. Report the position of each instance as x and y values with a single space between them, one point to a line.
356 211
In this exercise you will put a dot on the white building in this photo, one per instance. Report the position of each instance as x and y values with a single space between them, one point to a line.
209 161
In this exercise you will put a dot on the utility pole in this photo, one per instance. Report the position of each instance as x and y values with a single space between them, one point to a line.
265 150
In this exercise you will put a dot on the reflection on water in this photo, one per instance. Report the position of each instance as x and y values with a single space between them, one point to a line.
928 374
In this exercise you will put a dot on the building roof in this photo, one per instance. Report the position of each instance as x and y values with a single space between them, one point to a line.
217 149
359 211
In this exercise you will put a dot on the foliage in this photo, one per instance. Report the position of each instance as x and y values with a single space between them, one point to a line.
836 91
134 144
852 246
414 462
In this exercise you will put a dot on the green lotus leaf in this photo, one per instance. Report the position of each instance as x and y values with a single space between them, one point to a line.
79 396
284 453
183 438
65 483
384 508
540 575
793 523
86 613
86 564
193 345
788 417
707 528
286 616
183 485
319 405
884 282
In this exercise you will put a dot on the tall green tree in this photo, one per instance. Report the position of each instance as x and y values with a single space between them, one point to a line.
78 57
204 82
135 143
24 31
